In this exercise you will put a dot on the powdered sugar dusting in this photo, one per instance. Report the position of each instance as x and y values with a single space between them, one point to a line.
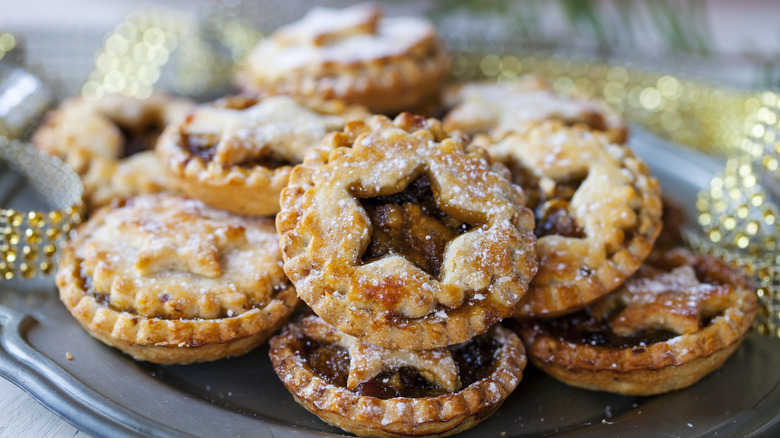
166 255
276 125
345 36
683 278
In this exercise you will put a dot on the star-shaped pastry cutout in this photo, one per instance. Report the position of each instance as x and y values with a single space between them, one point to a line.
366 361
675 301
274 127
322 26
180 242
505 107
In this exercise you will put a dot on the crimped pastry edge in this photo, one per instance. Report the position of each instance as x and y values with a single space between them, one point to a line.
552 300
432 416
616 128
430 331
236 189
170 341
386 85
657 368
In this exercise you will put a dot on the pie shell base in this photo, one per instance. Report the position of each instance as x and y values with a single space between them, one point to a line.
444 415
611 254
386 83
171 341
656 368
242 190
165 340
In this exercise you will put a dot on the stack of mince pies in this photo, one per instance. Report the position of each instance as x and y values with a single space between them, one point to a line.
434 258
409 245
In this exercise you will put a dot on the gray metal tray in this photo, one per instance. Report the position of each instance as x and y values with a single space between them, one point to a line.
105 393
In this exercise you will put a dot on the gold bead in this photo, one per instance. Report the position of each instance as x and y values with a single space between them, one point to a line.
11 236
715 236
26 270
46 267
30 253
14 218
36 219
53 233
33 236
9 255
49 250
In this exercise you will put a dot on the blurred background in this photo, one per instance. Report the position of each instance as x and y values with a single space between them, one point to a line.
732 43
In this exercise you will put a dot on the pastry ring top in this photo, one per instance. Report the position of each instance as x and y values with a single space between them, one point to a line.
395 233
679 317
109 142
376 391
504 107
237 153
388 64
597 208
162 271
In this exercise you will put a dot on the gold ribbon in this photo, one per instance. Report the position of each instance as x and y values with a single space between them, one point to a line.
31 239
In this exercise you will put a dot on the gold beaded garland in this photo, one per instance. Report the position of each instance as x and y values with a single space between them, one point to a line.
30 240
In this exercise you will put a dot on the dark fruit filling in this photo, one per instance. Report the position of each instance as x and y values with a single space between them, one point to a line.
475 360
201 146
204 146
403 382
582 328
551 212
328 360
409 223
86 284
139 140
673 219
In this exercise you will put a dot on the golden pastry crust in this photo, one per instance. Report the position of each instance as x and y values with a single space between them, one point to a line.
679 318
598 212
237 154
108 142
438 291
169 280
505 107
440 415
386 64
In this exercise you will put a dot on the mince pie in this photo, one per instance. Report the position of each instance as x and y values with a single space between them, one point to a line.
237 153
504 107
677 319
109 142
404 237
169 280
388 64
597 209
376 391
